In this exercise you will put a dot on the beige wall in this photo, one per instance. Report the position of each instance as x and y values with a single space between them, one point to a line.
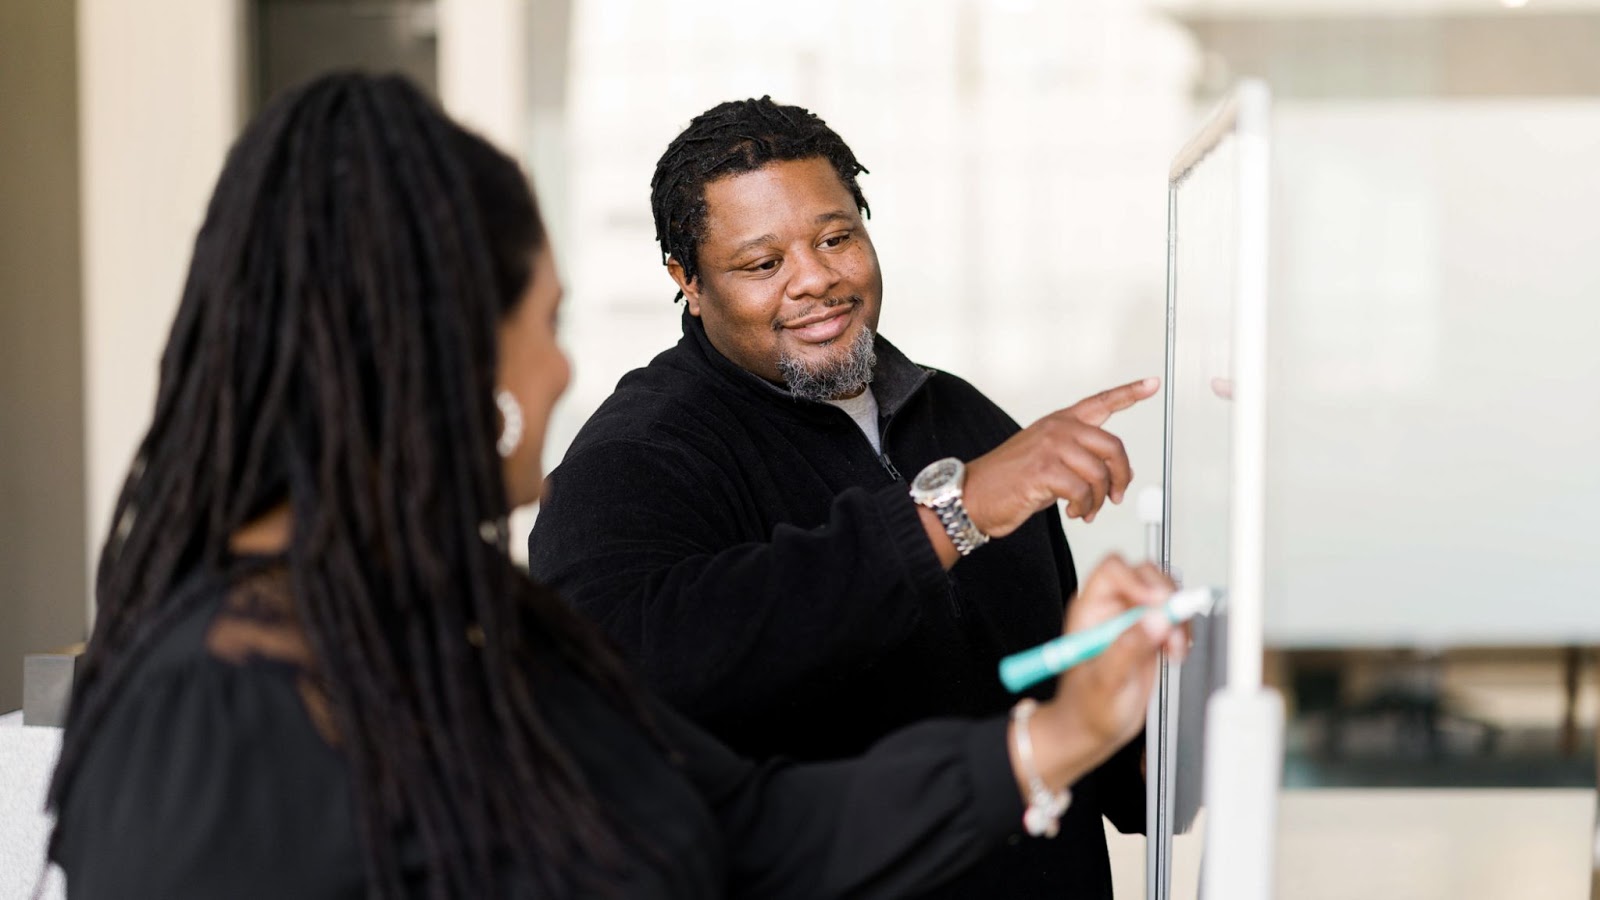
162 87
42 558
483 66
117 116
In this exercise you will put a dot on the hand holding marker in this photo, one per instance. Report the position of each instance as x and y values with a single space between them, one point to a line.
1021 671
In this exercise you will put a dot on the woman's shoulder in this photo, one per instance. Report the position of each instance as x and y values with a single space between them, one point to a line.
209 767
234 657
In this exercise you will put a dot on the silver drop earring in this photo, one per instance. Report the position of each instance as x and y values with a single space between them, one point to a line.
511 427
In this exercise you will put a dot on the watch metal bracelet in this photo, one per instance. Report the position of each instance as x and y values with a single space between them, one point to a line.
963 533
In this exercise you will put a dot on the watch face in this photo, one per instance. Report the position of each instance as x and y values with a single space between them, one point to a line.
936 476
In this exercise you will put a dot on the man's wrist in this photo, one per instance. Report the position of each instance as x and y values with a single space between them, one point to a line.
943 547
939 488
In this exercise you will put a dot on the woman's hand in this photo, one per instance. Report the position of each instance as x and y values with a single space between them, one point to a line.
1100 704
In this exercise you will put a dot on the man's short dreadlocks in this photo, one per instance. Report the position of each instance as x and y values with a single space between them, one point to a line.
733 137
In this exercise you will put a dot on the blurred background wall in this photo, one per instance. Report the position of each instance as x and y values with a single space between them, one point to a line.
43 556
1015 151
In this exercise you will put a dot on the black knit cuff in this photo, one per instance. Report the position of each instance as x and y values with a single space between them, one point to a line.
996 802
918 560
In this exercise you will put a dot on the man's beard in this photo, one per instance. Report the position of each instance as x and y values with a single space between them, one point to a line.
834 378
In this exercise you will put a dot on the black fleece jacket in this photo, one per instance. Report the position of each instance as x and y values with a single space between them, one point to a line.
767 573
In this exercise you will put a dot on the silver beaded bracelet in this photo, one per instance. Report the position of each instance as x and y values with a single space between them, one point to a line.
1042 818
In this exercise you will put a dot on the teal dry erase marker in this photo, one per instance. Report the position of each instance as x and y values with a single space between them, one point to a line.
1020 671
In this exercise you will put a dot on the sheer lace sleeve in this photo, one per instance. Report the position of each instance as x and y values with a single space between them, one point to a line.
209 777
257 622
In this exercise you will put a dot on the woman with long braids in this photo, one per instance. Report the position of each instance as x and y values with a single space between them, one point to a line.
315 671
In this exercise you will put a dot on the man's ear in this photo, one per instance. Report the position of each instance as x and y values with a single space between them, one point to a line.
691 289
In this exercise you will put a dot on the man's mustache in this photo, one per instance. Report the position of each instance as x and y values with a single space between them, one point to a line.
830 303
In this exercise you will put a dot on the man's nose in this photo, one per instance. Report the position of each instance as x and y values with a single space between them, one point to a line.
813 278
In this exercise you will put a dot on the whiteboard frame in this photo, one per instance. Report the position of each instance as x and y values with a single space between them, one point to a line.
1244 116
1238 855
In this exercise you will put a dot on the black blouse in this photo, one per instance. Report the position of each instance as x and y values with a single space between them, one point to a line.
210 778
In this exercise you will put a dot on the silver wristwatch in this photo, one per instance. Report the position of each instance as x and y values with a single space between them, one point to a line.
938 487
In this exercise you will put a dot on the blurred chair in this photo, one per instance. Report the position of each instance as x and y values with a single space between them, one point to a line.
1407 699
27 758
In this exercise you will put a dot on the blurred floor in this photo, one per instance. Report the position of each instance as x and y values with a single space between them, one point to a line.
1411 845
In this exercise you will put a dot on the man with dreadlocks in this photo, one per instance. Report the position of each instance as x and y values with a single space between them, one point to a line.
736 517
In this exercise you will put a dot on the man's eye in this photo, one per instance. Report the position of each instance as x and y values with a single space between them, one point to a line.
764 266
836 240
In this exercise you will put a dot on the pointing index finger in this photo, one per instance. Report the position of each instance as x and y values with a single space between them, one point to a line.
1097 409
